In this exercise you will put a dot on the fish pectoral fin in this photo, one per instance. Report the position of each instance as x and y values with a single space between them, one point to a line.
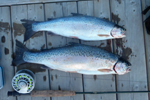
77 14
103 35
104 70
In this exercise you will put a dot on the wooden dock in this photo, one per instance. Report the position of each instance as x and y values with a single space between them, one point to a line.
135 47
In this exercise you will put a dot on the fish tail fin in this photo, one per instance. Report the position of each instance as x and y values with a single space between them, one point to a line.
28 26
20 49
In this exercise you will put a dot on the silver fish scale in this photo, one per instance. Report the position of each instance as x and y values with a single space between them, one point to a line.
99 23
73 50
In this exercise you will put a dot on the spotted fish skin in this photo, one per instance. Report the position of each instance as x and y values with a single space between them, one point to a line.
75 58
81 27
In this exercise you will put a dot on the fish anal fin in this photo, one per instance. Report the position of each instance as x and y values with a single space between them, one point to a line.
45 67
51 33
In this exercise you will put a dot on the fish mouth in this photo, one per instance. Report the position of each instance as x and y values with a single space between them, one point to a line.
123 34
114 68
128 69
113 34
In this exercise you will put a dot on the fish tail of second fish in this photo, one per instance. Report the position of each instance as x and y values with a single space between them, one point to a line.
20 49
28 26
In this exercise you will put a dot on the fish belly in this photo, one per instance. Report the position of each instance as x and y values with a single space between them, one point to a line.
79 64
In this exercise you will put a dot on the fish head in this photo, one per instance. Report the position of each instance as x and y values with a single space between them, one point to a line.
122 67
118 32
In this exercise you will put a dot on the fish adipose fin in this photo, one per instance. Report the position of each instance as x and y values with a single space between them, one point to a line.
50 19
74 44
28 26
20 49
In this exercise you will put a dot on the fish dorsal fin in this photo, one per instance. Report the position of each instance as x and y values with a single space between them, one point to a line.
30 21
104 70
77 14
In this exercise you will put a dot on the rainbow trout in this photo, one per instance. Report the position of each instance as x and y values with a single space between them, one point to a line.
81 27
76 58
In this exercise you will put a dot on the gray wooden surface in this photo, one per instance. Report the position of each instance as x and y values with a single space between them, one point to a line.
6 52
62 80
31 12
17 2
128 14
135 47
97 82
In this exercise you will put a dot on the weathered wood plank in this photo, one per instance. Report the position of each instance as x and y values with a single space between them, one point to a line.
68 8
128 14
35 43
53 10
62 80
18 13
6 52
145 4
16 2
98 83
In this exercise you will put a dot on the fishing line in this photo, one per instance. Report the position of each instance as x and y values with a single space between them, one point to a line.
100 79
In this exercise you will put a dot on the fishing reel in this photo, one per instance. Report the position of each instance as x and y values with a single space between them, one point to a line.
23 81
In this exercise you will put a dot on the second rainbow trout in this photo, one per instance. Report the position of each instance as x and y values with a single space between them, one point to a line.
75 58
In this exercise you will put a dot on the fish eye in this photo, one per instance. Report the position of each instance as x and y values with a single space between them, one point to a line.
120 27
124 61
